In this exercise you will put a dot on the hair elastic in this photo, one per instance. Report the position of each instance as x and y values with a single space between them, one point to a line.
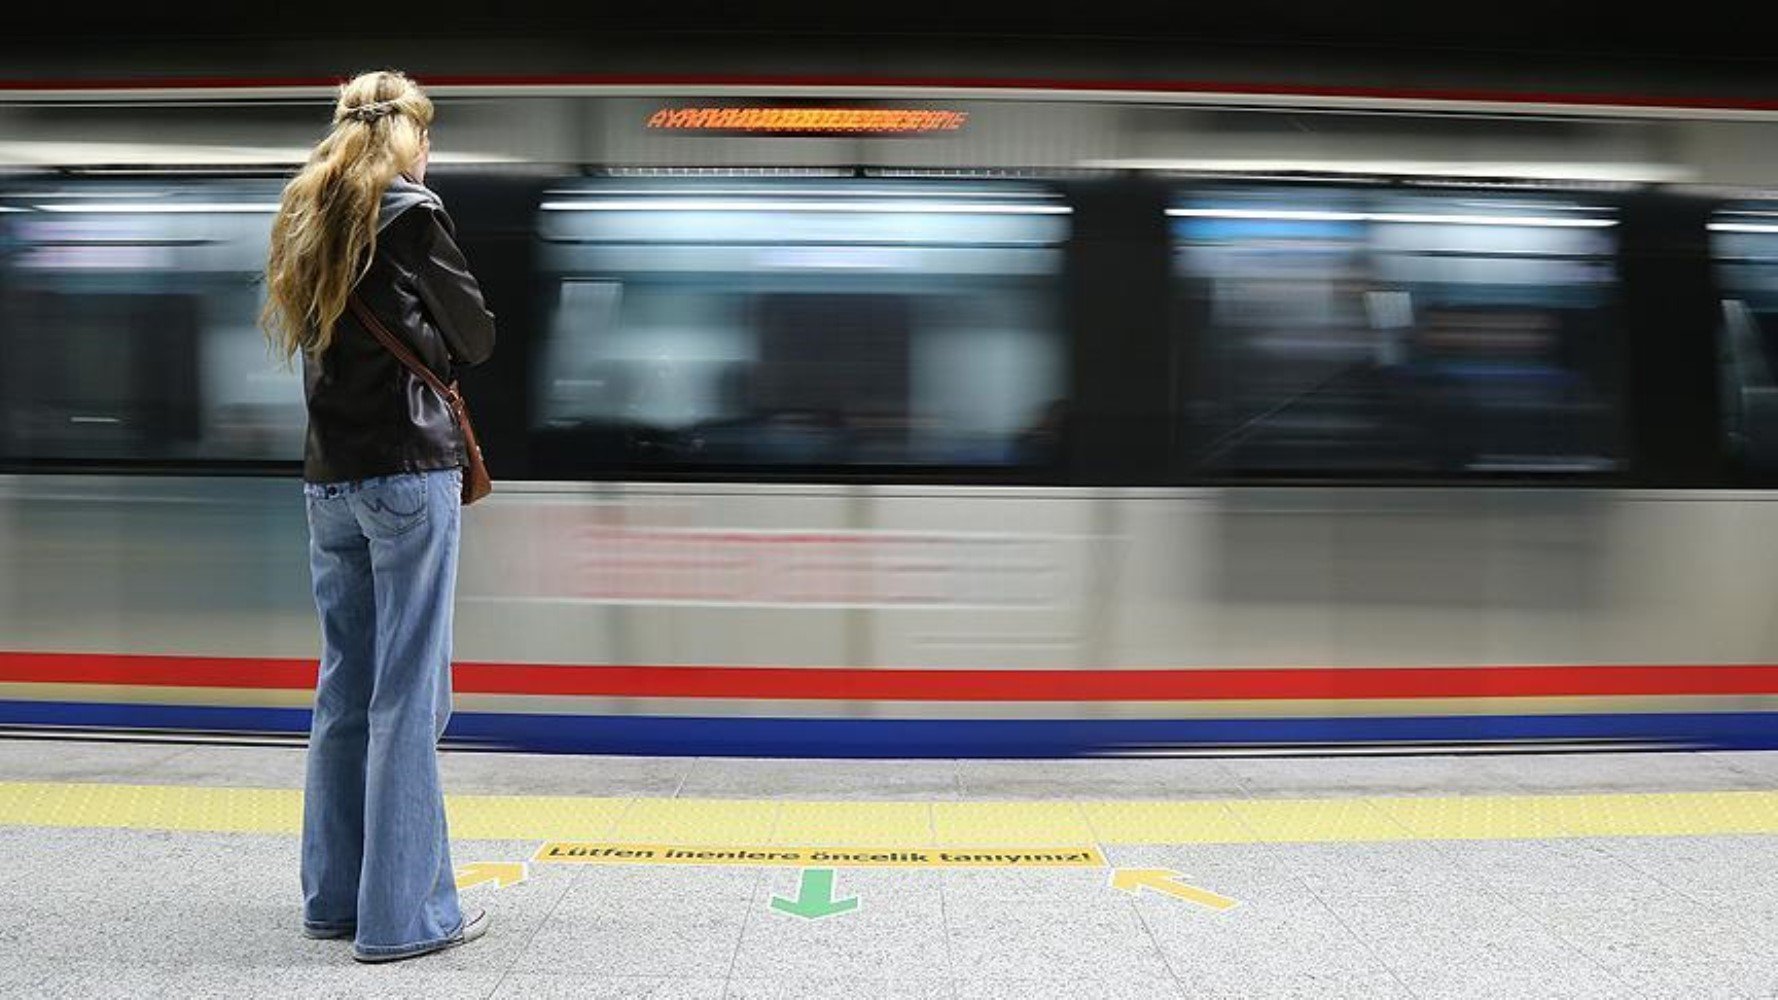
368 112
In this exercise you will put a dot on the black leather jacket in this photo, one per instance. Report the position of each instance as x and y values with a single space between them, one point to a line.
369 416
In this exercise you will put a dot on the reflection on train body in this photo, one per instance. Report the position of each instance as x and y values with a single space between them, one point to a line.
128 319
1407 333
813 325
1745 246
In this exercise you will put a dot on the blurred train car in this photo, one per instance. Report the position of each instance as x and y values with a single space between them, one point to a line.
923 423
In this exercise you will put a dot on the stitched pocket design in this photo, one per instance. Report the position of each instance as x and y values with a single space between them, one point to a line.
395 506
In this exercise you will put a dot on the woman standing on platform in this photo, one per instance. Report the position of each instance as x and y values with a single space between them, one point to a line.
382 470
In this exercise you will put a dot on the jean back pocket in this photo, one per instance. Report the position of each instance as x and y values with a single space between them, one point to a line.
395 506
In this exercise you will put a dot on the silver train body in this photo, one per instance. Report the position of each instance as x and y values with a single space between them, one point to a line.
1039 439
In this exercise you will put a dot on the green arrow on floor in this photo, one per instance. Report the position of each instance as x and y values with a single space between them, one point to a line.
816 897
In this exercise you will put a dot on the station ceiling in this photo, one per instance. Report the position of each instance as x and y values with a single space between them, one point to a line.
1520 44
1695 30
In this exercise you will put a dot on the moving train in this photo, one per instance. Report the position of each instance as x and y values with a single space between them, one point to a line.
838 421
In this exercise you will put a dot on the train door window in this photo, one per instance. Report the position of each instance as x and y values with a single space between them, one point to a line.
800 326
1379 332
101 376
831 376
1744 243
128 316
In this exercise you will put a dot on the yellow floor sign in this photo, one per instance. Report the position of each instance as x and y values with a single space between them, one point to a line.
820 857
499 874
1128 879
1166 881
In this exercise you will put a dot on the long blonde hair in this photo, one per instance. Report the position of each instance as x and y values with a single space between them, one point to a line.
326 231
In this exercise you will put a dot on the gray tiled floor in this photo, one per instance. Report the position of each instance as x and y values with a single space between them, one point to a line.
1316 777
108 979
890 780
59 760
1742 868
1097 779
546 774
1629 772
896 934
804 987
118 913
539 986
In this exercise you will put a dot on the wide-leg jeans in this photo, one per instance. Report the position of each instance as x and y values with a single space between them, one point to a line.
376 857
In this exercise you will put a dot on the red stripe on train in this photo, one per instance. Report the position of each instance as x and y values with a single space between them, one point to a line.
897 684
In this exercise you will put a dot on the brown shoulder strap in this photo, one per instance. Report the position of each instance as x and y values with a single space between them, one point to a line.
395 346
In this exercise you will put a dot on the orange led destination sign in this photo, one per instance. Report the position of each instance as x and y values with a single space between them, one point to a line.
809 121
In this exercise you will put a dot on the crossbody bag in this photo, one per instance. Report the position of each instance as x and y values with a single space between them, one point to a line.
476 482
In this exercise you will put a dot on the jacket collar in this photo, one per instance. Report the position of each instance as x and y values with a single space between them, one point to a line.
401 195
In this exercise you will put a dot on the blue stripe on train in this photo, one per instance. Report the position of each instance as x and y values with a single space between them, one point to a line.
801 737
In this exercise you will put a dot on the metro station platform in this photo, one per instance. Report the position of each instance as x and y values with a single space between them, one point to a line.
157 869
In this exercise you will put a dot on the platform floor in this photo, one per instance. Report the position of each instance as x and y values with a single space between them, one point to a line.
146 870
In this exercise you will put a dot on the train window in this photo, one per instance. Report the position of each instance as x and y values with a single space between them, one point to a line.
1744 243
803 324
1379 332
128 316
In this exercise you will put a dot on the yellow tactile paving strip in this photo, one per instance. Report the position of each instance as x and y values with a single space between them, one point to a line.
932 824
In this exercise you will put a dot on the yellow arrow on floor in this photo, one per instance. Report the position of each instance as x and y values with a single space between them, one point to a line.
501 873
1162 880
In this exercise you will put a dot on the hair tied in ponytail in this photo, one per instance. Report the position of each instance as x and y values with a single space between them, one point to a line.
325 233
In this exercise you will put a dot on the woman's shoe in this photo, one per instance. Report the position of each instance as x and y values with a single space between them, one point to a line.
473 927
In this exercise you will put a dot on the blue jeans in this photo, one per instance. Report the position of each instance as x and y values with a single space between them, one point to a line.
376 858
